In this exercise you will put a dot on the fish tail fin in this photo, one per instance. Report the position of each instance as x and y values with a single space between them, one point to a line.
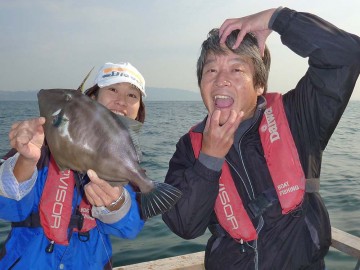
159 200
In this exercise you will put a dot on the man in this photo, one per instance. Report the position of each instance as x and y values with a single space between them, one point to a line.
251 175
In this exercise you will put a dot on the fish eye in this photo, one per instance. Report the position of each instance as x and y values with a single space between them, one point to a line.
56 121
59 118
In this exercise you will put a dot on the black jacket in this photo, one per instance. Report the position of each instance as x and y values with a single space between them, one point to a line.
295 241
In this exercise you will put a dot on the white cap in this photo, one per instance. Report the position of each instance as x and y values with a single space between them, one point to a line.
111 73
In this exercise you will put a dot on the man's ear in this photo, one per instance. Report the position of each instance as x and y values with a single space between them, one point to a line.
260 90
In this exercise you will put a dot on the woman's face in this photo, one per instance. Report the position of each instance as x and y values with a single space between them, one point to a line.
121 98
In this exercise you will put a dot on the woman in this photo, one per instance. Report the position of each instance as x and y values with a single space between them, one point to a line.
27 175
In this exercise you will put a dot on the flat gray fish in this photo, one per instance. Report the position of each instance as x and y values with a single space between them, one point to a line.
82 134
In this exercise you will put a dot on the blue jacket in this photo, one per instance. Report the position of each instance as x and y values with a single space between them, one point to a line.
25 246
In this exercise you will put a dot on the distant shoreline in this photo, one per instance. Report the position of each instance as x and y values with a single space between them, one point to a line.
153 94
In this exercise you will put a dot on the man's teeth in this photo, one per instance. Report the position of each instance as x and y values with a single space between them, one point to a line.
220 97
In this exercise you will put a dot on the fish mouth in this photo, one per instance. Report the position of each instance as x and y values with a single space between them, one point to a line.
223 101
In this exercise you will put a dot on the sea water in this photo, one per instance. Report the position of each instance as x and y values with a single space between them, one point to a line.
165 123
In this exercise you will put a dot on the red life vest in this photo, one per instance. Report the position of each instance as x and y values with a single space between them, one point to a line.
55 207
287 174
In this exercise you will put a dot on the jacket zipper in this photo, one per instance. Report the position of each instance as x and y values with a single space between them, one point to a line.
250 194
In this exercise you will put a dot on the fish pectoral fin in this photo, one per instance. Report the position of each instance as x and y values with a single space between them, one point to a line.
136 143
161 199
131 124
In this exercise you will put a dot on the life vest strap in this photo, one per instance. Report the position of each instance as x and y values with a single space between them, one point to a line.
312 185
33 221
218 231
269 196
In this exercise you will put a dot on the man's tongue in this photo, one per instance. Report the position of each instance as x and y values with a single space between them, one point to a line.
223 102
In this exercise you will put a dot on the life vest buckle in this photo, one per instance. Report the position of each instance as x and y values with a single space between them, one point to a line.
76 221
84 236
242 246
262 202
80 221
298 212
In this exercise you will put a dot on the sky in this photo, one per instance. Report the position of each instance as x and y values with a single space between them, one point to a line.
53 44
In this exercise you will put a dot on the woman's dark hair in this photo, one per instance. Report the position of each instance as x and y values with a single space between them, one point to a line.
94 92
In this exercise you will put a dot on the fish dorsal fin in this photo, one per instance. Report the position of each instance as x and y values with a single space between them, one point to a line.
81 87
134 128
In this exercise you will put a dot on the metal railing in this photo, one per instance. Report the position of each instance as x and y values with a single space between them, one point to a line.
342 241
346 243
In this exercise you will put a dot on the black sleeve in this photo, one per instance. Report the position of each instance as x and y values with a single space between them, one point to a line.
191 214
321 96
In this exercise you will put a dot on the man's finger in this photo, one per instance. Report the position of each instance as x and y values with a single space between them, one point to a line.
215 118
224 30
239 38
207 124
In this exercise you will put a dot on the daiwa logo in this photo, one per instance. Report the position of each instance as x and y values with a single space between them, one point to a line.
59 199
114 74
270 119
227 208
123 72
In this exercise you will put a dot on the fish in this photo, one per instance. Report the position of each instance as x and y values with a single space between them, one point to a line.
82 134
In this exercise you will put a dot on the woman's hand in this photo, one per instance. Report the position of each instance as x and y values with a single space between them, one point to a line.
27 137
101 193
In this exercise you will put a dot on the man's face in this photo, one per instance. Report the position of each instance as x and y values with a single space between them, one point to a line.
227 84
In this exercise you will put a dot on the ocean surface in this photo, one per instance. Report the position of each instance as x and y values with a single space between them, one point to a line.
165 123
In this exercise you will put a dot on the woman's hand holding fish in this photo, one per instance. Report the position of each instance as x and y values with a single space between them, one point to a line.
27 137
101 193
